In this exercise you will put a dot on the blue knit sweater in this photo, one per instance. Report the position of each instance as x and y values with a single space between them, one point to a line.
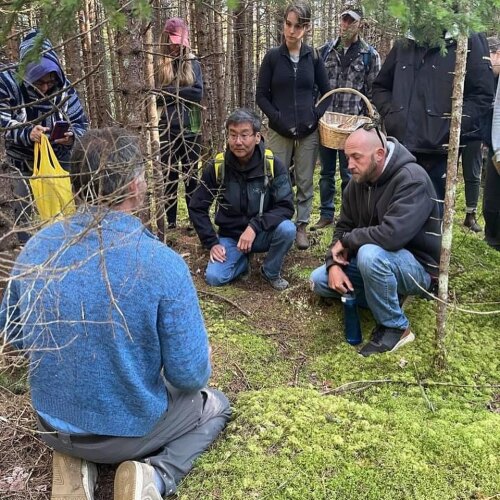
102 309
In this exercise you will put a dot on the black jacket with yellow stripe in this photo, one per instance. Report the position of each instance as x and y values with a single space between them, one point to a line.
238 198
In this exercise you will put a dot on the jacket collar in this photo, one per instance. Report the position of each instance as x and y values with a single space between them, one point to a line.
304 49
363 45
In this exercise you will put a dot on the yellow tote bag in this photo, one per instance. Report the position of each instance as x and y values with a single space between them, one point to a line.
50 183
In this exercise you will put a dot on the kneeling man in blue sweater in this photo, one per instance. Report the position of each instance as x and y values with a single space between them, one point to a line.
109 318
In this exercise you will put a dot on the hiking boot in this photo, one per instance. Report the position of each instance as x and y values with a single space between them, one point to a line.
135 481
301 239
471 222
322 223
386 339
72 478
278 283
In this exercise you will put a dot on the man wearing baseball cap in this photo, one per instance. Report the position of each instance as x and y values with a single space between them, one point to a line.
356 13
350 63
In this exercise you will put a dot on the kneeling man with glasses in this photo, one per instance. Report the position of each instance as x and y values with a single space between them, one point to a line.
386 243
254 206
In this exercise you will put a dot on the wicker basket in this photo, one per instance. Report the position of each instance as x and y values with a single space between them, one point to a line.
334 128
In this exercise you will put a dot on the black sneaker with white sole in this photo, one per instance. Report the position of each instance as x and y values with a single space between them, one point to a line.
386 339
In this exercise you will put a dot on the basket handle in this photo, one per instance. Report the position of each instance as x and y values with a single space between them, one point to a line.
369 106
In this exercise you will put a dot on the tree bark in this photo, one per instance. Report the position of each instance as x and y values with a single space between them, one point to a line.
116 104
73 58
153 160
86 41
243 49
449 201
101 85
131 63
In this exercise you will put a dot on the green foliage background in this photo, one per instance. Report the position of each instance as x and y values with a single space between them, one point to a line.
427 21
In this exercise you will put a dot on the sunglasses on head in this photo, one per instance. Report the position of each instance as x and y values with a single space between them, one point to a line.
371 126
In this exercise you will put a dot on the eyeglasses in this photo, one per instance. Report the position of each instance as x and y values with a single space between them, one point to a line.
244 137
371 126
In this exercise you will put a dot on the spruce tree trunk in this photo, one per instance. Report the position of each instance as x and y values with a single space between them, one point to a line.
116 103
449 201
208 23
73 59
100 78
231 77
243 50
153 165
86 41
131 61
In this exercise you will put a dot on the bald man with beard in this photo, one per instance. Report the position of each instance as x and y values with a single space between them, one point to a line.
387 241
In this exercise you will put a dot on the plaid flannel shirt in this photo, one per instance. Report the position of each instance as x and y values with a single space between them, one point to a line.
356 76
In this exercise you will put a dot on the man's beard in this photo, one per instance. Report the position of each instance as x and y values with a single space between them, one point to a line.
369 174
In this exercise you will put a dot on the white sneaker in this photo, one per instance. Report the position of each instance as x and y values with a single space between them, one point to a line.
72 478
135 481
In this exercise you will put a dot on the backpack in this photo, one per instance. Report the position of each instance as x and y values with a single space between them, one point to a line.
219 168
268 167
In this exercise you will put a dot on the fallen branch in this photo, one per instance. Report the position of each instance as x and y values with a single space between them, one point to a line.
301 360
355 385
243 375
225 299
422 390
453 306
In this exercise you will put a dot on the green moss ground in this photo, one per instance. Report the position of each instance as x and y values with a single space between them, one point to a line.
294 436
314 420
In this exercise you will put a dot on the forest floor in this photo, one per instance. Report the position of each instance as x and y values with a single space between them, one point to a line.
313 419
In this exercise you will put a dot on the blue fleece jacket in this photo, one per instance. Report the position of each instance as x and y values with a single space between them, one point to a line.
103 308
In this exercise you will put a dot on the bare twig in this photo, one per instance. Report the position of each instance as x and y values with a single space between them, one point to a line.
422 389
225 299
449 304
355 385
243 375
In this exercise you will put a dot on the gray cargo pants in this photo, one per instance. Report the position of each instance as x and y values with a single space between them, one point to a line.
304 153
190 425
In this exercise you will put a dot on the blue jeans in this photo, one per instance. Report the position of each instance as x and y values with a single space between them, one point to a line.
328 158
379 277
276 243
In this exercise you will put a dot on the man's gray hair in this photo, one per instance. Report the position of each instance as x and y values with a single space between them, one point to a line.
104 162
244 115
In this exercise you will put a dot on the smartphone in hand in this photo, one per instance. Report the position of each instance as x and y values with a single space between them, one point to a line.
58 130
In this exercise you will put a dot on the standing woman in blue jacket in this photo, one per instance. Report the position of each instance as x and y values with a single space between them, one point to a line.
291 77
179 76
